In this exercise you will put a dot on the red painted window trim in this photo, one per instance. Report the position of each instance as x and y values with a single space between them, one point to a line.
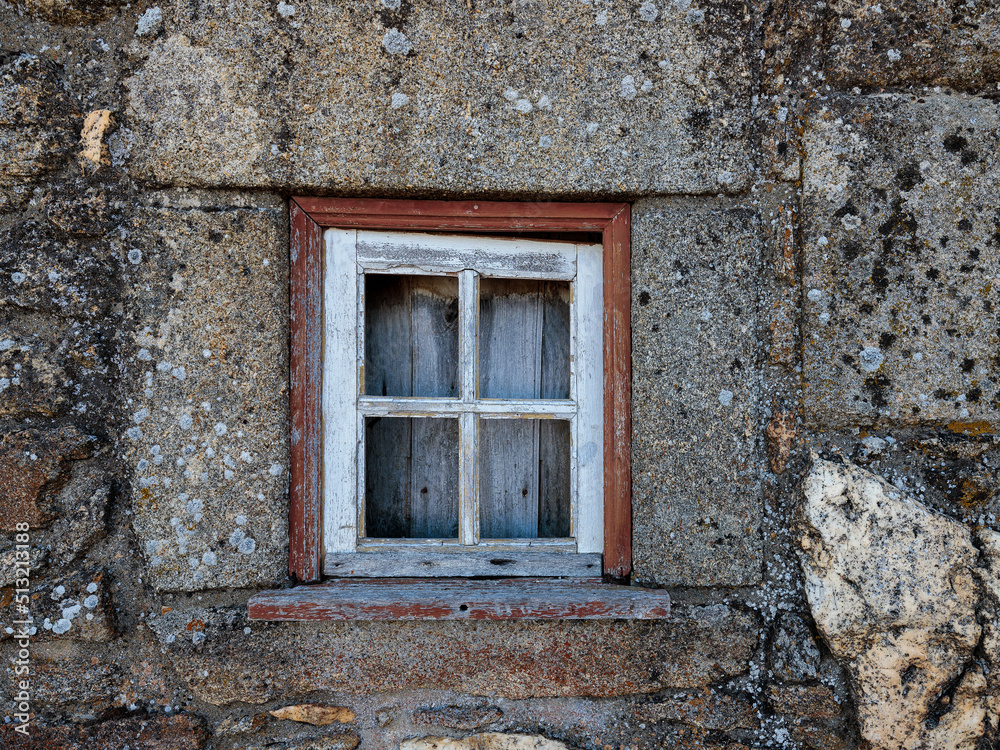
310 216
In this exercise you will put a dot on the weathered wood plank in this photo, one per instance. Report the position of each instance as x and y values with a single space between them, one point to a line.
387 477
387 314
508 478
401 252
467 564
555 360
305 402
450 599
554 487
617 395
434 335
592 490
510 339
433 480
453 546
468 470
376 406
373 212
411 478
340 392
411 336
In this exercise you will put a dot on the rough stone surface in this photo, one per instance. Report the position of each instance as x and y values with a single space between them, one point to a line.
896 42
207 407
33 381
458 717
43 270
486 741
794 655
447 97
37 123
79 510
54 368
33 465
339 741
891 588
901 250
69 11
70 607
818 737
86 682
221 663
804 701
696 445
989 574
111 295
159 733
704 709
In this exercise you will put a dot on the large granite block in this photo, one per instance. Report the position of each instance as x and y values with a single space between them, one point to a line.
901 229
224 658
447 97
206 402
876 43
697 279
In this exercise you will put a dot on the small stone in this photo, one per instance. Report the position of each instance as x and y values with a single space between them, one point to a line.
780 433
150 23
95 127
794 655
29 483
314 713
628 90
233 725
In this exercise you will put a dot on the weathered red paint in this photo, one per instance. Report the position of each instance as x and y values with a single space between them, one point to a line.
460 599
305 511
311 215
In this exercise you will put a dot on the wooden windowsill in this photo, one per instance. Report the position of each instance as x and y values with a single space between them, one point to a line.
460 599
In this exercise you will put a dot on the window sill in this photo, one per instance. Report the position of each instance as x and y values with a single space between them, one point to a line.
460 599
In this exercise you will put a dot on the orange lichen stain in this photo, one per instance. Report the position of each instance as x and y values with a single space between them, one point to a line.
971 495
164 610
196 625
6 597
970 428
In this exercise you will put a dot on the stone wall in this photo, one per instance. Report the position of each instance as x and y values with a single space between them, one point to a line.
815 244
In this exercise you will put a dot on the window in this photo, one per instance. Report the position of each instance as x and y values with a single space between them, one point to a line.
463 406
472 351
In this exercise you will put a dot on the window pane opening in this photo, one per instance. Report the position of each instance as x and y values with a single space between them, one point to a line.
524 478
411 335
524 334
411 478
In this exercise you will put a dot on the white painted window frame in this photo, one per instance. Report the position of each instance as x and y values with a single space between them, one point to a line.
349 255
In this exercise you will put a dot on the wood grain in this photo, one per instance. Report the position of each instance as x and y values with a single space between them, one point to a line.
411 478
451 599
554 481
306 330
617 397
508 478
423 563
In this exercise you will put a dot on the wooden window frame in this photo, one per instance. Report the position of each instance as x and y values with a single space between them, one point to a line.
311 216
